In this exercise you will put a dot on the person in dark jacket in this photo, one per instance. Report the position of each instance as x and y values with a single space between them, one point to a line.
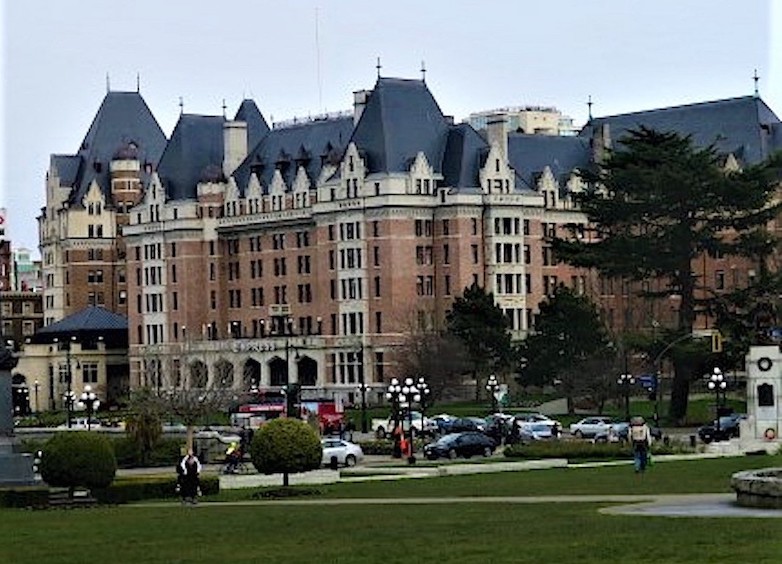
190 477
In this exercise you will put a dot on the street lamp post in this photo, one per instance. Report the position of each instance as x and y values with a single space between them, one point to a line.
493 386
69 399
363 388
625 381
410 394
90 402
36 387
393 395
717 383
423 389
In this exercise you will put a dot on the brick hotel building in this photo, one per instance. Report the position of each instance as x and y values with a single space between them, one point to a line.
309 251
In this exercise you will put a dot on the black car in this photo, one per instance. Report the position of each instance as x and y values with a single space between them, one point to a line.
464 424
728 428
454 445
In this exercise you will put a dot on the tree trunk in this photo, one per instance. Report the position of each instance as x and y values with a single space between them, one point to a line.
285 482
680 391
189 440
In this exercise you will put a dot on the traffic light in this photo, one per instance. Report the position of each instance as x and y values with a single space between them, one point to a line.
716 342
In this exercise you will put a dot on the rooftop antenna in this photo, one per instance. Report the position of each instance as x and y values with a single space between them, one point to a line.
138 83
423 71
224 107
181 106
756 78
589 105
317 60
108 83
378 66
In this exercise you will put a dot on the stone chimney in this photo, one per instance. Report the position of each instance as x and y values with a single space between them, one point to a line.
360 99
234 145
497 133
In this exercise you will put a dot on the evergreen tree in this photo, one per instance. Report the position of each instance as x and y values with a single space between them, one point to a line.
483 328
659 203
570 346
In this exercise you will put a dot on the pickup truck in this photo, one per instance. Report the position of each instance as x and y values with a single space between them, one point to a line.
383 427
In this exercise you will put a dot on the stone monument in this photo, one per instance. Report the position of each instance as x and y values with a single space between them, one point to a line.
15 469
764 398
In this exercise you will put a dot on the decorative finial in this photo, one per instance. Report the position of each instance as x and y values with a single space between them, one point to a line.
423 71
138 83
589 105
108 84
756 78
181 106
224 107
378 67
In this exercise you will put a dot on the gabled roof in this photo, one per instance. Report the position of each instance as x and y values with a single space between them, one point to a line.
257 128
741 126
462 159
194 153
529 155
123 119
400 119
90 319
310 144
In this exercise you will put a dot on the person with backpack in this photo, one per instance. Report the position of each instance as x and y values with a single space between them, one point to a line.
641 439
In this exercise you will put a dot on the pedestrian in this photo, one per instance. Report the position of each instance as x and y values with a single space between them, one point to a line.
190 478
641 439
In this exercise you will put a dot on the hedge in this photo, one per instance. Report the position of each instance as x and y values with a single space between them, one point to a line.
385 447
139 488
25 496
578 450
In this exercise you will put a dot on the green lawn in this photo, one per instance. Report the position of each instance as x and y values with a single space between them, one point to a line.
501 532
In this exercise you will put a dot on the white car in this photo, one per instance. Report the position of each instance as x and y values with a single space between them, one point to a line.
526 419
345 453
591 426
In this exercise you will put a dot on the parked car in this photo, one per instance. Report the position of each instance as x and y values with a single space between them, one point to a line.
620 432
383 427
454 445
522 419
589 427
535 432
442 423
345 453
728 428
464 424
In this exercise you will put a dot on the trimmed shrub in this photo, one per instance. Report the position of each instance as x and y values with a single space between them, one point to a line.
286 446
78 458
139 488
578 450
385 447
25 496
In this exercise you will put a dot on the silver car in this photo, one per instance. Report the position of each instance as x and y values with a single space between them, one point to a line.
590 427
345 453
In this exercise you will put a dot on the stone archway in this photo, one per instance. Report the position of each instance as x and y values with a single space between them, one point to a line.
251 374
199 374
307 371
224 374
278 372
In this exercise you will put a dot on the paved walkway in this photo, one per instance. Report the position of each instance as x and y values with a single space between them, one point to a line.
685 505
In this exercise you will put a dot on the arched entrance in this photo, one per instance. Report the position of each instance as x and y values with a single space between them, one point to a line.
278 372
224 374
251 374
199 374
307 371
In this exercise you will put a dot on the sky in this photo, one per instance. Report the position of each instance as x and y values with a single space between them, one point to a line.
304 57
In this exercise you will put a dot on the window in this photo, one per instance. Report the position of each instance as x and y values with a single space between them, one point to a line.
446 227
474 254
719 280
89 372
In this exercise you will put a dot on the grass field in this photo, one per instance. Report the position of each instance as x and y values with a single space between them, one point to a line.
492 532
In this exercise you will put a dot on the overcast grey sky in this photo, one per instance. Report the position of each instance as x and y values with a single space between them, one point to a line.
629 55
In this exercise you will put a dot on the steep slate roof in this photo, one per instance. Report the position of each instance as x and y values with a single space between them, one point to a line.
195 149
257 128
123 118
92 318
310 143
733 125
400 119
67 167
462 158
529 155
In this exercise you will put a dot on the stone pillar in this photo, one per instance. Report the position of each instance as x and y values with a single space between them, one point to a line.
764 391
15 469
